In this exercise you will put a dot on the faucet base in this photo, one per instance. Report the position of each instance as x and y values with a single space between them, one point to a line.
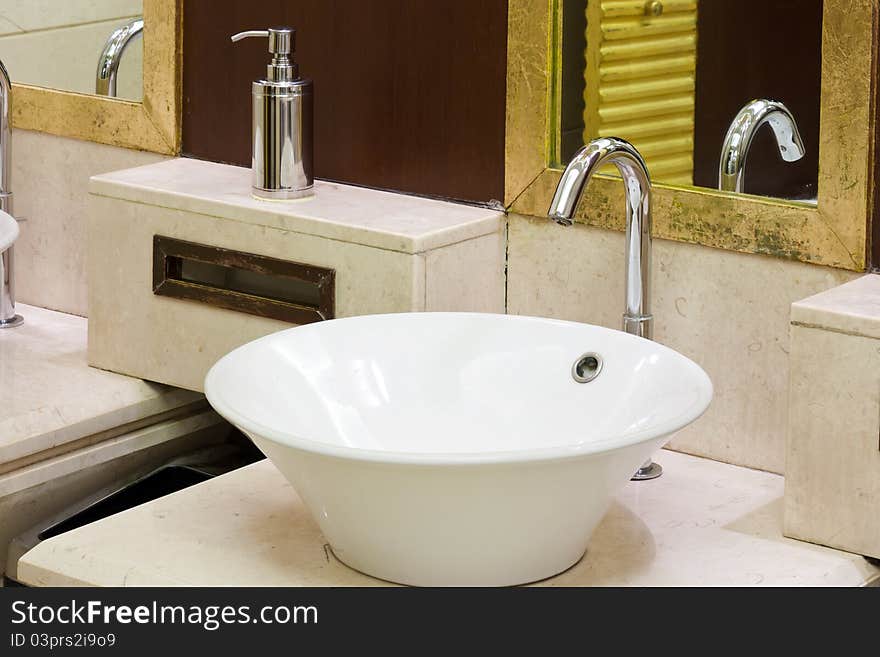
649 470
640 325
12 322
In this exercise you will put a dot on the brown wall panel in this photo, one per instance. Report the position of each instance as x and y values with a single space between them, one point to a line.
409 94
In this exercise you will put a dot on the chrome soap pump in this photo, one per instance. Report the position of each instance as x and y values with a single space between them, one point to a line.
282 122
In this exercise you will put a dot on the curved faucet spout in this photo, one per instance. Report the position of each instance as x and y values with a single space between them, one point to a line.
108 61
637 318
731 170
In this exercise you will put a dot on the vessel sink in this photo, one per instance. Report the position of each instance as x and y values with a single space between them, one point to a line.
8 230
457 449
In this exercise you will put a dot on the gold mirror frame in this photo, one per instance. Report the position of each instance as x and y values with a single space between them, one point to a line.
834 232
151 125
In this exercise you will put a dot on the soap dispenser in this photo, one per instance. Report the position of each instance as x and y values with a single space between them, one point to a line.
282 122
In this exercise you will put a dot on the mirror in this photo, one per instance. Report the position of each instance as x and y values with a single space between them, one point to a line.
83 46
671 76
146 111
830 231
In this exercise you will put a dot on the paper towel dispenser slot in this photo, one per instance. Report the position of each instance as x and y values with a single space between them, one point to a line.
246 282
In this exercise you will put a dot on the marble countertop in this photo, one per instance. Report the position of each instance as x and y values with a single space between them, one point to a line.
852 308
52 401
702 523
384 220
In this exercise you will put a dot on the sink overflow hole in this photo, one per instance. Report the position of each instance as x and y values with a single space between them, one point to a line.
587 367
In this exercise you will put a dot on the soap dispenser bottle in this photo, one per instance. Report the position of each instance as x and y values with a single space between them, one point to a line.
282 122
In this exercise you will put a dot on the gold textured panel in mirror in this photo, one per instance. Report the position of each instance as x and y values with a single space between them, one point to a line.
832 230
74 99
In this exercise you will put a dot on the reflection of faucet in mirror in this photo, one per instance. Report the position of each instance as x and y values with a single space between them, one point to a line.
731 170
8 318
637 318
108 62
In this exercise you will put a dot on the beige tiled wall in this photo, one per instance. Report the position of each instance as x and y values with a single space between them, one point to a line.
56 43
466 276
727 311
50 180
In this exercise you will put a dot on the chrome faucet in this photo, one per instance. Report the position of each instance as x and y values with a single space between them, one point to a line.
637 318
731 170
8 318
108 62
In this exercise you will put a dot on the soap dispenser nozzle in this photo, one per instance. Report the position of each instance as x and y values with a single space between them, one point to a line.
281 45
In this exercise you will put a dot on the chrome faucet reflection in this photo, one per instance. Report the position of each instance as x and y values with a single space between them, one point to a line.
8 318
637 318
731 170
108 61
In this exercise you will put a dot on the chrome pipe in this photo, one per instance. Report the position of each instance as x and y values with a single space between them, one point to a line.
637 317
5 139
735 150
8 318
108 61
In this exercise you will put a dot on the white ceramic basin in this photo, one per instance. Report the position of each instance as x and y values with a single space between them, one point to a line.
456 448
8 231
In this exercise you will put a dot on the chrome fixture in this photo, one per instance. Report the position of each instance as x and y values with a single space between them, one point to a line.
637 318
587 367
281 155
731 170
8 318
108 62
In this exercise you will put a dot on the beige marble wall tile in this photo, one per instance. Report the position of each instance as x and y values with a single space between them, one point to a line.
173 341
468 276
727 311
50 178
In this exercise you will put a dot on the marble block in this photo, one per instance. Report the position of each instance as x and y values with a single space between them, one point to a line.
832 486
390 252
